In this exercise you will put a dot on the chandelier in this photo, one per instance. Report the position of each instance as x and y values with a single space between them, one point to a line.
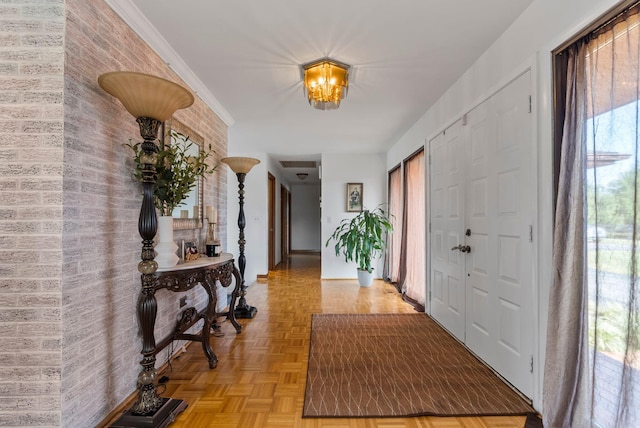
325 83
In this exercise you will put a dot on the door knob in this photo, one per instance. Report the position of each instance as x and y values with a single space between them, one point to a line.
462 248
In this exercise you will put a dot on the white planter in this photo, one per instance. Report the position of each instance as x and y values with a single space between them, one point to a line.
165 246
365 278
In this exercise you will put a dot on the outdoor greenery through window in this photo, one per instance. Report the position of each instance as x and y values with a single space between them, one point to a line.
612 179
592 360
612 235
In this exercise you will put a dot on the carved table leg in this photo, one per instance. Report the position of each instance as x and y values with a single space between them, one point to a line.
234 295
209 317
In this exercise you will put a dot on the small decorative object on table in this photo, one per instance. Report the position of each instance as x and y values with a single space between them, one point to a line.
191 251
212 244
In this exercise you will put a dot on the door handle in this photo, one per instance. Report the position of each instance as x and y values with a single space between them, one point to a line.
462 248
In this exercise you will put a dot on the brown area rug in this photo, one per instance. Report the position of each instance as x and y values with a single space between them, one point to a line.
396 365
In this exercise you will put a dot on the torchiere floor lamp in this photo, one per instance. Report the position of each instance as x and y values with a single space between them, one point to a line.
241 166
151 100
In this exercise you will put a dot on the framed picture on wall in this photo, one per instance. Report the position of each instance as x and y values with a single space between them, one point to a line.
354 197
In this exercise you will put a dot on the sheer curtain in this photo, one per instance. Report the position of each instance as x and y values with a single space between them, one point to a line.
395 209
412 277
593 339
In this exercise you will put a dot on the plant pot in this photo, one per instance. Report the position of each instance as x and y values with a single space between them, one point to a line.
365 278
165 246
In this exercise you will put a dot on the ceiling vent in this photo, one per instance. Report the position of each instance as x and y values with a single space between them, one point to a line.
298 164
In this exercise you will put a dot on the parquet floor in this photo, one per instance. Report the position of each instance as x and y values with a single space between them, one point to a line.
260 378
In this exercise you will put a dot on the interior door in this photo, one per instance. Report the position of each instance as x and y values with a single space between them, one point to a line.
284 223
499 203
447 230
481 220
272 221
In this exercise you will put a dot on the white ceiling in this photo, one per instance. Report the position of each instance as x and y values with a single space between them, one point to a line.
246 54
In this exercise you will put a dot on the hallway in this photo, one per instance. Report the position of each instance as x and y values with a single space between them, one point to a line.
261 374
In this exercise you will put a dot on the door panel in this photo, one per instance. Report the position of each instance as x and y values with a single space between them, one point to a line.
447 230
514 218
499 280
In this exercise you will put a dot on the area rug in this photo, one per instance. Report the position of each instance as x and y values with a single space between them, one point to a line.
398 365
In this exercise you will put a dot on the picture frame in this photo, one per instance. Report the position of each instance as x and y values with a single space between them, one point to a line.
191 251
354 197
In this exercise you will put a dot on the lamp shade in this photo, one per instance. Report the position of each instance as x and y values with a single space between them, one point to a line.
240 165
144 95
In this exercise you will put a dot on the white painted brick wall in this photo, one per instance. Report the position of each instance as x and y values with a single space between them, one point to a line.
69 245
100 241
31 135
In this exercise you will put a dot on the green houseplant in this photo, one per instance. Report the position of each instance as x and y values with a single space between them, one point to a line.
177 171
362 239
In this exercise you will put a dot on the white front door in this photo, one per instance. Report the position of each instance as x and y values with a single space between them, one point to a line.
496 213
447 230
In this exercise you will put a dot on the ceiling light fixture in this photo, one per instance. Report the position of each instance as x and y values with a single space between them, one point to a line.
302 175
326 82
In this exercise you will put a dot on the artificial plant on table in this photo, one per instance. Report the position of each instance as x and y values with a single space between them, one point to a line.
177 171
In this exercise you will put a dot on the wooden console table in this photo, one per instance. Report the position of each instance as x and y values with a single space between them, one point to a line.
206 271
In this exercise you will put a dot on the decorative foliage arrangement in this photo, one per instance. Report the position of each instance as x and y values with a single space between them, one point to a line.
363 237
177 172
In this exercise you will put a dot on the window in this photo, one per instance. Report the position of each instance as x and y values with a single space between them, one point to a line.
593 359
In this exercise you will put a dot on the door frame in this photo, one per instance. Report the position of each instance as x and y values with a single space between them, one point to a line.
285 224
271 232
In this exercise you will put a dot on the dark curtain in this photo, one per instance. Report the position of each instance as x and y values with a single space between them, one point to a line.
395 239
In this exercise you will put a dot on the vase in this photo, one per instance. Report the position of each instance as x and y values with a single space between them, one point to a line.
165 246
365 278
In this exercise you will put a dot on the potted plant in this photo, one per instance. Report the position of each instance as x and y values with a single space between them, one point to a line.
177 173
362 239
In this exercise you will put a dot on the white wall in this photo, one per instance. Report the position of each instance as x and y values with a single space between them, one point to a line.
305 217
337 171
526 44
256 211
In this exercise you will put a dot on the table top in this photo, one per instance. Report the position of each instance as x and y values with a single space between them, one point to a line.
202 261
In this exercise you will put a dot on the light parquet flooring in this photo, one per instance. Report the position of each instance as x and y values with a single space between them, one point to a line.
261 374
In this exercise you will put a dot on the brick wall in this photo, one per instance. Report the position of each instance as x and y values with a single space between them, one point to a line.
31 150
69 244
101 244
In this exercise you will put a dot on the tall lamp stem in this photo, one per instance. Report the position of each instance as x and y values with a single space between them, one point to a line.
243 310
148 400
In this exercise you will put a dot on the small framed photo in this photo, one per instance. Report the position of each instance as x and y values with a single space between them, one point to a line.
354 197
191 251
